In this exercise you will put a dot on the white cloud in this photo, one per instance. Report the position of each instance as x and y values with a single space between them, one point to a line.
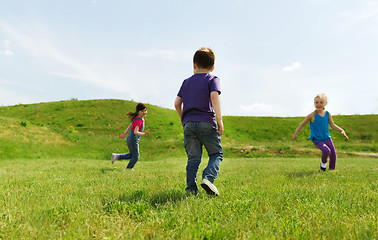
8 97
20 85
368 11
164 54
120 77
41 44
292 67
318 1
6 51
363 18
257 109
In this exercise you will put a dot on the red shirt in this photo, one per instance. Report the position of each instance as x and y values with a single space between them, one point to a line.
137 122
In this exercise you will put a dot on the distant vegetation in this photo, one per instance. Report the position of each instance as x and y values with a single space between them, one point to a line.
89 129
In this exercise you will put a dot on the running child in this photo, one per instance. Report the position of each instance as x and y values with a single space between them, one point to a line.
198 105
320 120
136 126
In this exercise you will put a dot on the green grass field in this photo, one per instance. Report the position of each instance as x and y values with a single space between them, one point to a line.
265 198
57 181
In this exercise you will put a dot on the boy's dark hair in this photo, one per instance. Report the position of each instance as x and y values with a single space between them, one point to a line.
138 108
204 58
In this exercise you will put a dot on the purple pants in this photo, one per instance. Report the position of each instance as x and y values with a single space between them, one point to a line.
328 149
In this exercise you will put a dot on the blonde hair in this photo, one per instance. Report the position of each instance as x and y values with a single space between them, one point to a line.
322 96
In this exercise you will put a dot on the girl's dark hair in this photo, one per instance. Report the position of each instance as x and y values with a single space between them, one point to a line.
138 108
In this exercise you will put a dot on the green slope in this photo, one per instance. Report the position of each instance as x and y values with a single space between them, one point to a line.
89 129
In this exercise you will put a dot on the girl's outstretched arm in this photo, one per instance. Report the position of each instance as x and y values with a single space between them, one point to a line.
123 135
136 131
301 125
335 127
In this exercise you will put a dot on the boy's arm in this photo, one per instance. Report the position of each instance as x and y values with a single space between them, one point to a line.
335 127
215 101
178 105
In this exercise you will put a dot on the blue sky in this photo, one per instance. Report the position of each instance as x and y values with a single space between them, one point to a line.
273 57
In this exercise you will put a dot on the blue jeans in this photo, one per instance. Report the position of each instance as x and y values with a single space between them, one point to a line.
196 135
133 155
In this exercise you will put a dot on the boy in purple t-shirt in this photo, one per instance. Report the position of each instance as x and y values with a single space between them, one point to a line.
198 105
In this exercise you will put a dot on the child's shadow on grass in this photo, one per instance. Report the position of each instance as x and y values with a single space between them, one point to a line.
141 200
302 174
155 199
105 170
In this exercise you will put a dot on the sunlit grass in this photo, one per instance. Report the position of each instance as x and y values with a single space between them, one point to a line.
260 198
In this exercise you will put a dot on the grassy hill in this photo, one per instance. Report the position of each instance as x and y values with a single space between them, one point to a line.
89 129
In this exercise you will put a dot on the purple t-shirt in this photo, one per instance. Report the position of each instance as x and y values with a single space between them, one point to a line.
195 93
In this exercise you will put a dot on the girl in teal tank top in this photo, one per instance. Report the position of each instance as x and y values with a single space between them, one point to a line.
319 128
320 120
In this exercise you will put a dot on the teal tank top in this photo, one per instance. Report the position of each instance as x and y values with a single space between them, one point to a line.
320 128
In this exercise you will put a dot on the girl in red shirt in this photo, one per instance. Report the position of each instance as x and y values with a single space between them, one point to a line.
132 140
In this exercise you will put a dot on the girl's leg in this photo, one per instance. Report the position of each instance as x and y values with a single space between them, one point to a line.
325 151
332 155
134 153
122 156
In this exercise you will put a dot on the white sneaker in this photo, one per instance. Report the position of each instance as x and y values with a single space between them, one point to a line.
114 157
210 188
129 169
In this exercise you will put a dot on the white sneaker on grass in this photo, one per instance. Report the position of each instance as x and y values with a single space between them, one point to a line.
323 166
114 157
210 188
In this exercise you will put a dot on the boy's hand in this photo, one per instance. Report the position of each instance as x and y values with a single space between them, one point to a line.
220 127
122 136
146 132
